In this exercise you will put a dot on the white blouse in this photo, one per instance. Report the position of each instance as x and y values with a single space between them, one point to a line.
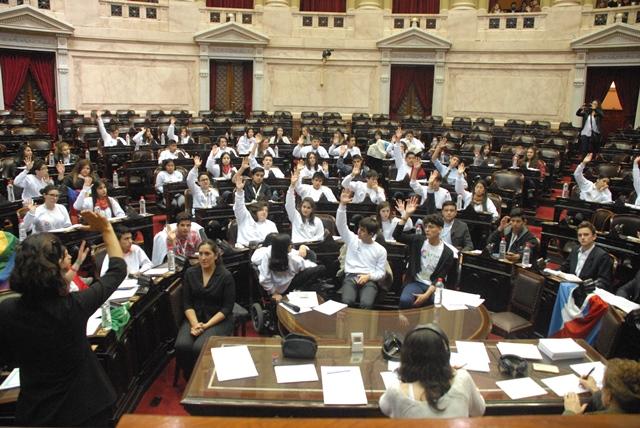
45 220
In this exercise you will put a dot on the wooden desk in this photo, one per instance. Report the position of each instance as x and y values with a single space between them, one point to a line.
471 324
262 396
488 277
587 208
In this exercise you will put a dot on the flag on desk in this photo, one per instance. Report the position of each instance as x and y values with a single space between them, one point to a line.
569 320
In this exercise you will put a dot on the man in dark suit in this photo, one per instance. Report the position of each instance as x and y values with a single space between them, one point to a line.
257 189
631 290
590 134
589 261
429 258
455 232
513 228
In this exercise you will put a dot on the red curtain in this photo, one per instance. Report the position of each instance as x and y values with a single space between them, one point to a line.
234 4
423 81
401 79
627 86
247 86
42 70
212 84
14 73
598 82
416 6
323 6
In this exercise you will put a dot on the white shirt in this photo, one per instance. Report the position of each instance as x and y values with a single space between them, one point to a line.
107 139
250 230
84 201
244 144
635 171
414 145
401 164
253 163
360 258
335 151
590 126
285 140
200 198
308 173
31 185
45 220
440 196
582 258
278 282
136 260
467 198
588 190
429 258
216 170
360 190
226 149
388 226
308 191
302 231
445 235
180 140
302 152
443 170
164 177
166 154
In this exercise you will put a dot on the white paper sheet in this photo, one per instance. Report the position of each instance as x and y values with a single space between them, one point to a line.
303 299
128 284
94 322
156 271
301 311
583 369
12 381
562 385
454 306
528 351
343 385
330 307
617 301
521 388
474 354
392 365
390 379
296 373
456 360
126 293
569 277
233 362
453 297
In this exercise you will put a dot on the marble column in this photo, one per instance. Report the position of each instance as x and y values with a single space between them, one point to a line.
1 93
387 4
444 5
567 2
62 73
385 81
258 80
579 88
295 4
276 3
483 5
463 4
204 77
351 4
545 4
369 4
437 100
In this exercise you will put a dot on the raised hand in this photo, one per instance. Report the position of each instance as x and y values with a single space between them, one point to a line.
300 165
504 222
342 150
432 177
301 140
239 180
356 171
172 120
171 233
345 197
294 178
461 168
214 150
325 166
588 158
197 162
60 168
83 252
400 206
411 206
95 222
245 163
88 181
28 162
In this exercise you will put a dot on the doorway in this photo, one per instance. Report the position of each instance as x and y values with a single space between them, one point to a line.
231 84
411 90
32 103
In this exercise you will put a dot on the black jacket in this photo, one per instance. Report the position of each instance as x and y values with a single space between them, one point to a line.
597 266
264 192
414 243
460 236
584 114
519 243
631 290
62 381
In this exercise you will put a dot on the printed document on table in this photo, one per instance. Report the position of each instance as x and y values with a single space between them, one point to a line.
156 271
343 385
296 373
233 362
390 379
303 299
12 381
528 351
330 307
474 354
562 385
392 365
583 369
521 388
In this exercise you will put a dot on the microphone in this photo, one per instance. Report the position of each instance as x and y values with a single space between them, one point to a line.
291 306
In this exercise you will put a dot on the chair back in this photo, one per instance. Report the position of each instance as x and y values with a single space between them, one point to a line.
625 224
329 223
601 219
188 201
508 180
497 201
232 232
610 332
175 302
525 297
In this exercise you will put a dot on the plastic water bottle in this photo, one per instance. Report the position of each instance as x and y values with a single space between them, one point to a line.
275 150
419 229
514 164
128 139
87 154
503 249
526 255
459 203
143 206
52 161
116 183
437 299
171 261
443 157
22 232
565 190
11 196
434 142
106 323
162 140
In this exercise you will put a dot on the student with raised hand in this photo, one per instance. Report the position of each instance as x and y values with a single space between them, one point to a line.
316 190
204 195
245 142
347 150
94 197
388 222
301 151
270 171
311 166
250 230
405 161
432 195
261 147
48 216
414 145
220 166
169 174
305 225
136 259
111 138
184 138
450 173
429 387
592 192
182 240
279 138
44 333
478 200
635 172
172 152
144 138
365 259
32 184
513 228
361 190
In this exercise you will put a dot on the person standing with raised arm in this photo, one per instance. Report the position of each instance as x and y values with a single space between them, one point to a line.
592 192
305 225
111 138
432 194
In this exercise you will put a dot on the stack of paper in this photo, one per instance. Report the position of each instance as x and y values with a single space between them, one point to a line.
303 299
617 301
583 369
454 300
474 355
528 351
296 373
330 307
521 388
561 349
569 277
342 385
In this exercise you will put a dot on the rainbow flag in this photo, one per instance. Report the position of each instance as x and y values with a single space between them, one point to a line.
8 244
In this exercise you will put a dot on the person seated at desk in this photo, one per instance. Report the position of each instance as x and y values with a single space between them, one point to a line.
245 142
32 184
63 154
429 387
281 268
94 197
169 174
365 259
261 147
479 200
356 162
316 190
48 216
405 161
270 171
620 391
223 147
279 138
592 192
513 228
455 232
305 225
414 145
631 290
172 152
432 194
451 173
635 172
250 230
184 138
310 166
361 191
144 137
483 156
301 151
81 170
182 240
589 261
136 259
257 189
111 138
208 297
220 167
388 222
430 258
347 150
204 195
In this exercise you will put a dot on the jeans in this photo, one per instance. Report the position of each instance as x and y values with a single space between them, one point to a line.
407 297
364 294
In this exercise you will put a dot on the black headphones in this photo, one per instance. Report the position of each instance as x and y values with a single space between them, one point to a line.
513 366
392 344
435 328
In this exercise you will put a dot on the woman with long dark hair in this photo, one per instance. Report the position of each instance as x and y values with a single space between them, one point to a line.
429 386
95 197
83 169
43 332
305 225
49 216
33 178
478 200
208 296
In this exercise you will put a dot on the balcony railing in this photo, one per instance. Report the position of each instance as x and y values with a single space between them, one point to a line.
323 20
606 16
218 15
512 21
426 22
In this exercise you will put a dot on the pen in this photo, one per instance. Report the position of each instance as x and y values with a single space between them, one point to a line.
589 374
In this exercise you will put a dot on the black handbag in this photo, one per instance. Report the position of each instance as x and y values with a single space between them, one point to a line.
299 346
